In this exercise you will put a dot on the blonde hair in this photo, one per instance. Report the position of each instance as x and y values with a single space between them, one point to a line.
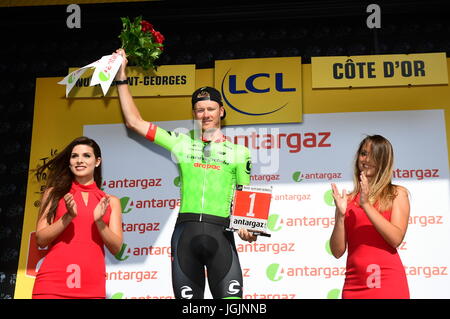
382 191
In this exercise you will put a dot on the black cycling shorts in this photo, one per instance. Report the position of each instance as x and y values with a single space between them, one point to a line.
199 245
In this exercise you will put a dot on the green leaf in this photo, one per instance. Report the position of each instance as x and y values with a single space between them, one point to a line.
140 46
155 54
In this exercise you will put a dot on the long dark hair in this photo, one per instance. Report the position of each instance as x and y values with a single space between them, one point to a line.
60 177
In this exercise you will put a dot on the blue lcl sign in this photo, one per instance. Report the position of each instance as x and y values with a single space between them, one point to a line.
250 84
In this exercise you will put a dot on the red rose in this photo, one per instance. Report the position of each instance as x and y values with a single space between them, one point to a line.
146 26
159 38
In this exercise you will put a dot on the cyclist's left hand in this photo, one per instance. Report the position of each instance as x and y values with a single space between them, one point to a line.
246 235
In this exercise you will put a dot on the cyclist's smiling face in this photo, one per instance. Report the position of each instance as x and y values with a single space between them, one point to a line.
209 113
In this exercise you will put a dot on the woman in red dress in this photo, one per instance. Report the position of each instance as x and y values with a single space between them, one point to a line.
372 221
76 220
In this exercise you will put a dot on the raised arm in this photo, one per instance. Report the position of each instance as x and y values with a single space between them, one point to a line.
133 119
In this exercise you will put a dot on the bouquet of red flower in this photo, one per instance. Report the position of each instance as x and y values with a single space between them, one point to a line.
142 43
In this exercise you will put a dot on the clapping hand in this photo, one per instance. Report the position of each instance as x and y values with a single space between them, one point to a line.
365 189
101 207
71 205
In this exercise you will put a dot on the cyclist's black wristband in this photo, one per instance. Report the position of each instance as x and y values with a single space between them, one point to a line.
121 82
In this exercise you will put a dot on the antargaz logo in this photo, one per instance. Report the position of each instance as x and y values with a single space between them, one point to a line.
122 255
328 198
297 176
334 294
124 204
274 222
273 272
117 295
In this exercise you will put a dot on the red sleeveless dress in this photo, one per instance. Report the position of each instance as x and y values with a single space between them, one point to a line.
75 264
374 269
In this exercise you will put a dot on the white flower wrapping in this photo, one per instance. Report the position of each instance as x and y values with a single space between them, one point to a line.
105 72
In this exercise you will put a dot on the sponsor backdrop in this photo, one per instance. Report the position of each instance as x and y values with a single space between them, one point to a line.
299 160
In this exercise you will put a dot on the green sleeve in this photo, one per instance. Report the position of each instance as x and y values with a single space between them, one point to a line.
243 167
160 136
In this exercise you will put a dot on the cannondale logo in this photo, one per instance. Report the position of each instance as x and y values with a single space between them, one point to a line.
186 292
234 287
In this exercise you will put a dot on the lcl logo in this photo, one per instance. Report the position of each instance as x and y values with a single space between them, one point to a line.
237 86
250 84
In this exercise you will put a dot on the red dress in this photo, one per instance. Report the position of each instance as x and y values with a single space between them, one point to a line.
75 264
374 269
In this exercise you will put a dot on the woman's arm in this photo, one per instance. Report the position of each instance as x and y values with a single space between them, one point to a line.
112 234
45 232
392 231
338 241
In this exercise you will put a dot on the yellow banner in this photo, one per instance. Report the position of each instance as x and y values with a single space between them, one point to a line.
169 80
257 91
379 70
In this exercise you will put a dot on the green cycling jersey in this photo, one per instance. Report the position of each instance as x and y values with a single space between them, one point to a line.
209 171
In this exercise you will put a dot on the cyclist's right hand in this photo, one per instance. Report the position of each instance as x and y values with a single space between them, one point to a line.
121 74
